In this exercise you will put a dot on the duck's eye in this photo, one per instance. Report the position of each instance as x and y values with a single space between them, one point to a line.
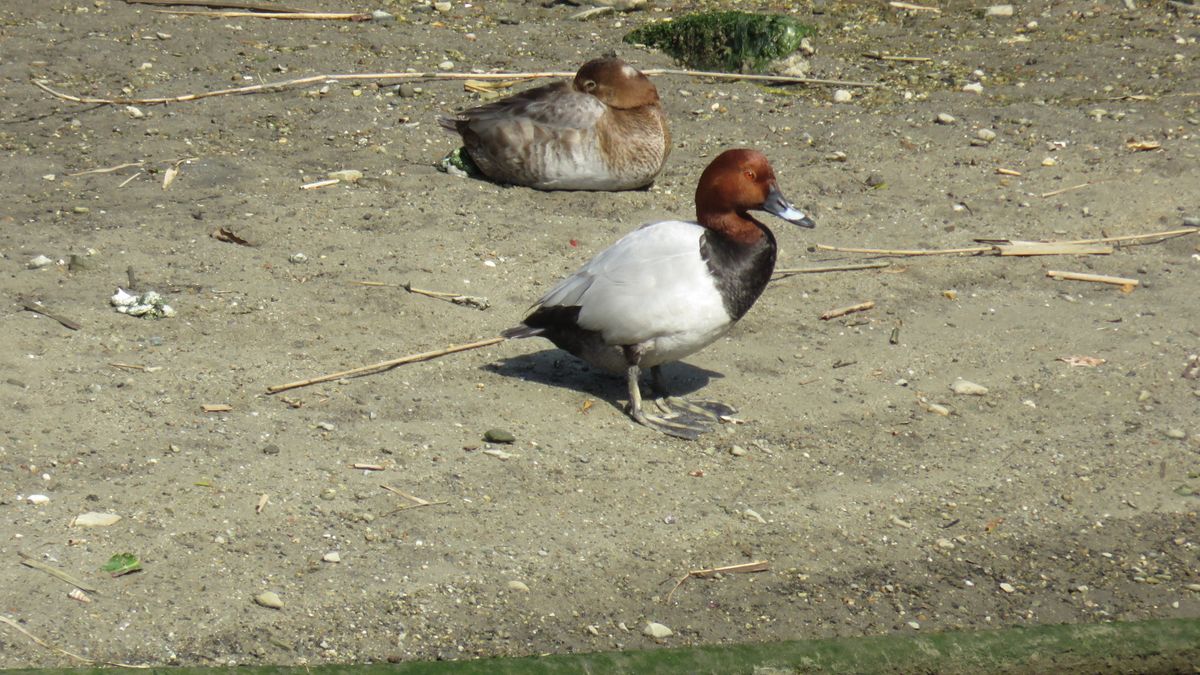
749 173
589 85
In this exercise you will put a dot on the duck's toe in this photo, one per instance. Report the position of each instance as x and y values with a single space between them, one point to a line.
714 411
685 426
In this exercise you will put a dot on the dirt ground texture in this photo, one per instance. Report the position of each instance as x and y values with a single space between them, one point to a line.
1064 494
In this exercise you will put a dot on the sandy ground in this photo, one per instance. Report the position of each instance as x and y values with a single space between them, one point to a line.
1064 494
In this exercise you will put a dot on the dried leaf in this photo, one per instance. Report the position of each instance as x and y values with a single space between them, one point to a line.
227 235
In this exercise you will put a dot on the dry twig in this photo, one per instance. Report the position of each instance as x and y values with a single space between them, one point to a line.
1127 285
212 4
37 308
83 659
294 16
1128 238
29 561
456 298
743 568
788 271
360 77
386 365
843 311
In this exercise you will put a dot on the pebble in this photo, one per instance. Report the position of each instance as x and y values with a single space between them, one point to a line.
332 557
518 586
973 88
346 175
406 90
269 599
753 515
1007 587
1000 10
1049 161
737 451
914 625
498 436
382 16
946 118
38 499
657 631
297 258
945 543
326 426
938 409
986 135
134 112
442 7
842 96
967 388
1177 434
94 519
900 522
446 65
1195 588
1191 221
39 262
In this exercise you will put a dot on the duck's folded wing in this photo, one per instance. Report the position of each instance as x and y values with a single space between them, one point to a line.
556 106
651 283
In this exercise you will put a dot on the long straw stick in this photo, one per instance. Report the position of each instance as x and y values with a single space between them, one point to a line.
384 365
984 249
351 77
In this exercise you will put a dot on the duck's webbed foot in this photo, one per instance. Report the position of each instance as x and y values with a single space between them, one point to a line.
680 418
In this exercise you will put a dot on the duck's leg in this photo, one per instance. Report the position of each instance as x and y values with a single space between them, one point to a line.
680 421
713 410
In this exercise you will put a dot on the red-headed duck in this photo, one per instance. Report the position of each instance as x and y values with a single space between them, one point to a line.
605 130
669 289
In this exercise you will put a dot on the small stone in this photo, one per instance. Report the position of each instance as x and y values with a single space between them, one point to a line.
346 175
498 436
806 47
985 135
1177 434
1191 221
406 90
999 10
737 451
657 631
938 409
38 262
1007 587
874 180
442 7
900 522
967 388
1097 113
382 16
134 112
1049 161
94 519
297 258
38 499
946 118
518 586
326 426
753 515
973 88
842 96
945 543
914 625
1195 588
332 557
269 599
446 65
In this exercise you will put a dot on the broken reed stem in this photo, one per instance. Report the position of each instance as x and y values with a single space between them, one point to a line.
387 365
843 311
743 568
358 77
1166 234
1054 193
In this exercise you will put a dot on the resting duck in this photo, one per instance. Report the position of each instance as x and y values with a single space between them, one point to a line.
605 130
669 289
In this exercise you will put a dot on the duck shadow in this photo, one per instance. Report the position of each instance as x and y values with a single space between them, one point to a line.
557 368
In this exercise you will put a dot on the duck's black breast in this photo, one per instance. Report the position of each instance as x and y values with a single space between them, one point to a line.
741 270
